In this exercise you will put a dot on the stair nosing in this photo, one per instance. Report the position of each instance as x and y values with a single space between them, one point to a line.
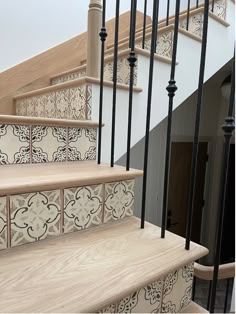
9 119
57 179
73 83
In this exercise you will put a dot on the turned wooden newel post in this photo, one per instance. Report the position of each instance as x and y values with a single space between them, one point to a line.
93 43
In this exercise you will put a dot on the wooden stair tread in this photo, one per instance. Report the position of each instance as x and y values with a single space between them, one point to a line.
88 270
48 176
25 120
194 308
71 84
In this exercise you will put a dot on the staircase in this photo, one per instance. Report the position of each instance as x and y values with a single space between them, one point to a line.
69 239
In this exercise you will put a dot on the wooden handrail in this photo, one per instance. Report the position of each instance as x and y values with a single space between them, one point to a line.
206 272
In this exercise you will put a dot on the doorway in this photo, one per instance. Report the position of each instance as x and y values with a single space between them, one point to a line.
179 180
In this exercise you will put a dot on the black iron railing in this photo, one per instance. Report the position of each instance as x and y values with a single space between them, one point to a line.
197 126
103 35
228 127
149 103
115 62
171 88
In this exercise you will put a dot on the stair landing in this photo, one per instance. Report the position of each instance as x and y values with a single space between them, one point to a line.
86 271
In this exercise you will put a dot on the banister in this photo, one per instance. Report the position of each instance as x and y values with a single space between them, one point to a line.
206 272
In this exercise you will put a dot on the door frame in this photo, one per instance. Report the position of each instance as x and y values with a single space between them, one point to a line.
209 140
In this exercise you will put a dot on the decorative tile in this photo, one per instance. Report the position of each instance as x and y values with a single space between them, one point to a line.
78 102
220 7
119 200
3 223
123 71
195 24
18 152
146 300
82 144
68 103
177 289
83 207
63 109
69 77
164 44
34 216
48 144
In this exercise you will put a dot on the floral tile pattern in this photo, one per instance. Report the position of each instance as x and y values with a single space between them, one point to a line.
48 144
164 44
195 24
34 216
146 300
68 77
82 144
168 295
82 207
123 71
3 223
119 200
67 103
177 289
19 150
220 7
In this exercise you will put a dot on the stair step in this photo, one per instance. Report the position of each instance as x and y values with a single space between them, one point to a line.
194 308
123 67
39 177
68 100
42 140
90 270
44 201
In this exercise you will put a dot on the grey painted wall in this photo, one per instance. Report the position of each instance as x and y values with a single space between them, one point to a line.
213 113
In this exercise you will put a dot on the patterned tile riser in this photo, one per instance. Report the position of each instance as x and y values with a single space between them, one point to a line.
168 295
31 217
70 103
123 72
195 24
164 44
40 144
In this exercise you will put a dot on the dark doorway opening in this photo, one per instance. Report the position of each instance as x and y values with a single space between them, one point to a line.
228 237
180 170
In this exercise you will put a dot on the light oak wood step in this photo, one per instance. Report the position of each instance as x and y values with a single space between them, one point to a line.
40 177
89 270
194 308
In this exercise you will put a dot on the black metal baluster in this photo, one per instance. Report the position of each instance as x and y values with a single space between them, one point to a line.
103 35
188 12
149 102
197 127
113 127
209 294
228 129
144 23
213 6
167 12
131 22
171 88
194 288
132 63
197 3
226 295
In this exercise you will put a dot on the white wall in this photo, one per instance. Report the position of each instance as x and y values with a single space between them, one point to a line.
28 27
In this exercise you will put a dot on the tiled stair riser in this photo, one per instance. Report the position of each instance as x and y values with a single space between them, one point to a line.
40 144
68 103
31 217
164 44
168 295
123 71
